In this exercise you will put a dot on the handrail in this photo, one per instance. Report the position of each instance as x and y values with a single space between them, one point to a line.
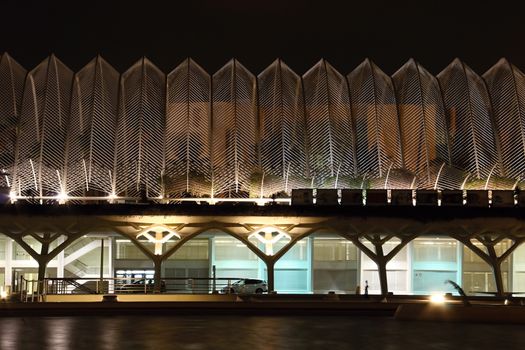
183 285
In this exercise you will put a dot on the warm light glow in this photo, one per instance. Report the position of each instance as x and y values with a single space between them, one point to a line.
437 298
3 293
264 235
159 239
62 197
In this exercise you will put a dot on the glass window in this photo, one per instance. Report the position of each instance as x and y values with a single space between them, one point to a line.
227 248
125 249
195 249
19 253
291 280
334 249
435 249
477 274
297 252
3 241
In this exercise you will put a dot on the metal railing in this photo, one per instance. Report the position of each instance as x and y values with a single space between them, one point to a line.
35 291
122 285
30 290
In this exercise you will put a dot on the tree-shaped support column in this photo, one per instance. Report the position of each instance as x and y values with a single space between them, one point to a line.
379 257
490 256
45 237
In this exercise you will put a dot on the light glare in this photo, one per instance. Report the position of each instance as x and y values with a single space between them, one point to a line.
437 299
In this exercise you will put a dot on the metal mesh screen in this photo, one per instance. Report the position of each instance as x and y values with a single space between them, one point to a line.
471 133
329 127
374 113
422 120
42 132
234 130
140 135
282 130
506 84
144 135
12 77
91 136
188 132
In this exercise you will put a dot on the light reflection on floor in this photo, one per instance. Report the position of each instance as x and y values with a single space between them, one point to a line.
241 332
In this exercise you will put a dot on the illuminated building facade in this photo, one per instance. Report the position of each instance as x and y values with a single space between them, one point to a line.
97 136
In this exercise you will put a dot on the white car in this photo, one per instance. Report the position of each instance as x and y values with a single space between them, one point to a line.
247 286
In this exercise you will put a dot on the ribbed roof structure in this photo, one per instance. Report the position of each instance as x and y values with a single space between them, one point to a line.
233 134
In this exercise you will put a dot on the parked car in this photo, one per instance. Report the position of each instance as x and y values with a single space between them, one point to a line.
246 286
138 286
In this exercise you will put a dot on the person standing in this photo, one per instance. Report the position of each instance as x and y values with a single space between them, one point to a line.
366 289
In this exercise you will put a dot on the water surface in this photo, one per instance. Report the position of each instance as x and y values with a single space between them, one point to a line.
257 332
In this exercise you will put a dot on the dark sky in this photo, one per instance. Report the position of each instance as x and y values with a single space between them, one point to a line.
258 31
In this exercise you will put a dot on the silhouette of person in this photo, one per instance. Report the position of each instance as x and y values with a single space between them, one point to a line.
366 289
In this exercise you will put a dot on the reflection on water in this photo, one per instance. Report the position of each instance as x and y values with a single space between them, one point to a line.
241 332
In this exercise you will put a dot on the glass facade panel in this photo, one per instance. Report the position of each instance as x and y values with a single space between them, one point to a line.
315 264
335 264
397 269
191 260
125 249
518 265
426 282
19 253
233 259
195 249
227 248
434 261
478 275
435 250
293 270
3 240
291 280
87 262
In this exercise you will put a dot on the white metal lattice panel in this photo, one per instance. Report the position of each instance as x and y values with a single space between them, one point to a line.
422 119
39 163
374 113
91 132
471 133
12 77
234 130
282 130
188 132
329 127
506 85
140 133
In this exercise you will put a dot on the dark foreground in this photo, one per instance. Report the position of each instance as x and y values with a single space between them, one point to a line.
250 332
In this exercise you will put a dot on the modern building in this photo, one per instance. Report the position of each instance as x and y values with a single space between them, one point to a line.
193 150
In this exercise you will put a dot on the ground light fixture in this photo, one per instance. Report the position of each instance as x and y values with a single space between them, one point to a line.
437 298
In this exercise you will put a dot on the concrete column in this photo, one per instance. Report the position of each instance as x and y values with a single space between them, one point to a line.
270 268
42 265
109 243
310 264
60 259
8 261
381 268
496 269
157 261
211 254
410 267
459 274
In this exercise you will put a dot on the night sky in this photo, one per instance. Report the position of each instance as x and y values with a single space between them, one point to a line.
256 32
